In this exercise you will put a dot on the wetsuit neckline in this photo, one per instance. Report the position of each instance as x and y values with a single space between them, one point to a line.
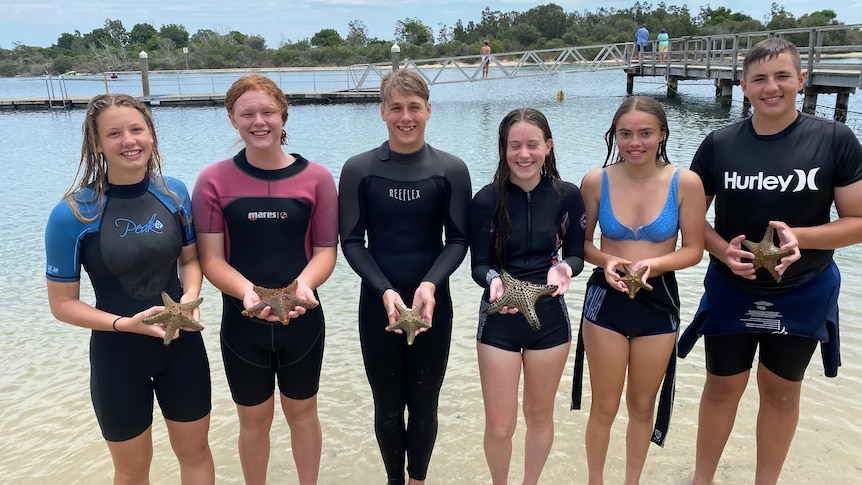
294 168
128 191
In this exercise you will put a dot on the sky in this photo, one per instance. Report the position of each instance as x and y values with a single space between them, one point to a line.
40 22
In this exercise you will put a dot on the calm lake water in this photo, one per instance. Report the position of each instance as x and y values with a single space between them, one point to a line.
50 434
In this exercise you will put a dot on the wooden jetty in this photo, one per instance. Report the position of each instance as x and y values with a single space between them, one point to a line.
201 99
834 69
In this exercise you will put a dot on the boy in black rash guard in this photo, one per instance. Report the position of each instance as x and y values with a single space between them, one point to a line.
783 169
403 195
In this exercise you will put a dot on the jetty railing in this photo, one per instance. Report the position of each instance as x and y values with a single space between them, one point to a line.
716 56
444 70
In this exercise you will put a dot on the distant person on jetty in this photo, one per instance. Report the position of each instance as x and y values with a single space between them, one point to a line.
130 228
527 223
641 40
396 202
268 217
663 43
651 215
485 51
818 162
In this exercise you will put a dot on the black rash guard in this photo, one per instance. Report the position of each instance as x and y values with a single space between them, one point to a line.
790 176
404 203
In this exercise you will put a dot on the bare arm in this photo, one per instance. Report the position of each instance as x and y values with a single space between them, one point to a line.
216 268
841 232
66 306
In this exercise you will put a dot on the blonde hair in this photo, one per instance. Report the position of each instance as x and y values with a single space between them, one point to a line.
92 171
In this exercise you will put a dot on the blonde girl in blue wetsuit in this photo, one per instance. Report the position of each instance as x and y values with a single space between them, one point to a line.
641 202
130 228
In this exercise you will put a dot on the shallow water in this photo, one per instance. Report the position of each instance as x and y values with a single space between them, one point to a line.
50 434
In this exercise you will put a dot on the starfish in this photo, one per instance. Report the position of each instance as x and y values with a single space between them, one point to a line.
408 321
633 280
522 295
280 302
766 253
176 316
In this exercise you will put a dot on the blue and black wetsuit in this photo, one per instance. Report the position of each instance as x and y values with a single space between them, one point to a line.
403 204
130 253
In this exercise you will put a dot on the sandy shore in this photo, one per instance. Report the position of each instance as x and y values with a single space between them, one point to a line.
54 438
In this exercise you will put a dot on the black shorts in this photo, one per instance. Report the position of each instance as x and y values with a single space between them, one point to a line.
653 312
787 356
512 332
256 352
127 369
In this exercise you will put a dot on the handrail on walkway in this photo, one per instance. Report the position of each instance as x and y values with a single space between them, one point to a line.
444 70
718 51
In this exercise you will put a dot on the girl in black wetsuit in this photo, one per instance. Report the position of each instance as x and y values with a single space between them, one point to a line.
524 222
130 228
402 196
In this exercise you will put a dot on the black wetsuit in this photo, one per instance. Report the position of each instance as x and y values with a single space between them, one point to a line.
546 221
403 203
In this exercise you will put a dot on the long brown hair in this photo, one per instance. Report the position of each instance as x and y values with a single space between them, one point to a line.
92 171
647 105
501 219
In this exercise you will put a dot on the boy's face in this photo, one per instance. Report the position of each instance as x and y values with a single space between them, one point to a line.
405 116
771 86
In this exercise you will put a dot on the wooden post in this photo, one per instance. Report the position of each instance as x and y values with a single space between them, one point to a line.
809 103
672 86
842 102
630 83
145 73
396 54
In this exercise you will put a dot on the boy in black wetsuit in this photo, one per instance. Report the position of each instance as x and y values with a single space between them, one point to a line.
403 196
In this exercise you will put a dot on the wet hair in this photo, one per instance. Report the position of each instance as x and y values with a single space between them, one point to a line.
500 217
92 171
403 81
647 105
769 49
258 82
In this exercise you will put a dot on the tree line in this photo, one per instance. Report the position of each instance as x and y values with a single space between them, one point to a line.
114 48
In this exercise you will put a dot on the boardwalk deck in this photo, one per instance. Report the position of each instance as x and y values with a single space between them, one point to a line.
200 99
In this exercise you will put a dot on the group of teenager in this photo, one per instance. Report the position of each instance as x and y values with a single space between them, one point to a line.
406 218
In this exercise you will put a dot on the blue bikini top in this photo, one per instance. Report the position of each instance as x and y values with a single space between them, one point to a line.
664 227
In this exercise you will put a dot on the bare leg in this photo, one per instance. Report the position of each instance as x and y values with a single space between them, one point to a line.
608 354
718 405
306 437
648 359
499 372
191 445
132 459
776 423
542 372
254 425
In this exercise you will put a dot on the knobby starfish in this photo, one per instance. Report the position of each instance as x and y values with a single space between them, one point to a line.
280 302
176 316
633 280
408 321
766 253
522 295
